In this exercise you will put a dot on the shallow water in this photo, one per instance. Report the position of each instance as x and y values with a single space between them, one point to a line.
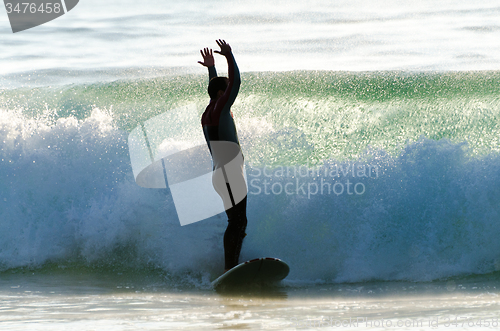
61 301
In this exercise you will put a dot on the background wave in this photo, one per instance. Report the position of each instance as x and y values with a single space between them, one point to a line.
67 194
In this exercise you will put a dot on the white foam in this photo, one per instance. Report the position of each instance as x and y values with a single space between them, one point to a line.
67 193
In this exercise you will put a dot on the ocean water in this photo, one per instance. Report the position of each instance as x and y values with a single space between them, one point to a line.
371 140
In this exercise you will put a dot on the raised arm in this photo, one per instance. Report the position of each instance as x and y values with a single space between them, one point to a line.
209 62
233 86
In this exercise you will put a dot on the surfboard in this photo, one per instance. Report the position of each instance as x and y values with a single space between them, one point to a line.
264 270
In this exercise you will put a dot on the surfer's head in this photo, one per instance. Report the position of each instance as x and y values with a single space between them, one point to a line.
217 87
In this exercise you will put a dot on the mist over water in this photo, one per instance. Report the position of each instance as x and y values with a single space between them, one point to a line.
396 177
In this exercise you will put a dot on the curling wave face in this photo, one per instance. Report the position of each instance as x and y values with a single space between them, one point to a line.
352 177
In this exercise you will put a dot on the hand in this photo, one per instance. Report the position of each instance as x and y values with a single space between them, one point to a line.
225 49
208 58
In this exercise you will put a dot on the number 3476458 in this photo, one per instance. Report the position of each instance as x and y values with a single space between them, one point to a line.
33 8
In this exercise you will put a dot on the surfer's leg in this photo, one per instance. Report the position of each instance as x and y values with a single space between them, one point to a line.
235 232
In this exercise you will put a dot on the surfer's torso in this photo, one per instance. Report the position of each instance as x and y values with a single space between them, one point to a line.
217 120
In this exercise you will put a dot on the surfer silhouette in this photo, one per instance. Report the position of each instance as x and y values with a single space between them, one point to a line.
222 140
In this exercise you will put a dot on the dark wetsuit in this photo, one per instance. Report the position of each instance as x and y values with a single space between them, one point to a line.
228 180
